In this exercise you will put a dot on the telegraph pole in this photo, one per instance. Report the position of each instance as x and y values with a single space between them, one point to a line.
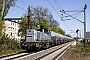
85 7
29 18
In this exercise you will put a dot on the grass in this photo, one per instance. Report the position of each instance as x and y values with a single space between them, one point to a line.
9 51
78 52
82 53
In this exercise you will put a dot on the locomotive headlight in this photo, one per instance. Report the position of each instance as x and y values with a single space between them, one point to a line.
21 41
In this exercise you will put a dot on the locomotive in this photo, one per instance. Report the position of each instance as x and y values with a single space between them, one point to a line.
42 38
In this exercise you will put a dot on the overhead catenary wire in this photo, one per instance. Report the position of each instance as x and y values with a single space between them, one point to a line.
58 4
15 11
25 3
53 7
21 8
72 18
75 13
18 7
77 10
13 14
57 12
61 8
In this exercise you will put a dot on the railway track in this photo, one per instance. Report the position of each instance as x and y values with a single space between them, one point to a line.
11 54
15 55
57 54
53 53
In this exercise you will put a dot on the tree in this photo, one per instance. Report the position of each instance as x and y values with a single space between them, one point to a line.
54 24
1 27
1 22
23 25
44 24
58 30
4 8
39 13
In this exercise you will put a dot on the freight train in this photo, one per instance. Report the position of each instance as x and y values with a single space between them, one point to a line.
42 38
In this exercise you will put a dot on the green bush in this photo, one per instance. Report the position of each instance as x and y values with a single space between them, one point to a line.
7 43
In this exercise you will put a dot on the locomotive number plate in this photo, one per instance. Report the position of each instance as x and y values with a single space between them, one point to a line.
37 45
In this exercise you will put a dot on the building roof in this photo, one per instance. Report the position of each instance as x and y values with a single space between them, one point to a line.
13 19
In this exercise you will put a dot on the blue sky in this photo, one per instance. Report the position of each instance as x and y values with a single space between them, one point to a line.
67 5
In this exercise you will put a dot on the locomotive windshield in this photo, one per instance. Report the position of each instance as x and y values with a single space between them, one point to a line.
45 30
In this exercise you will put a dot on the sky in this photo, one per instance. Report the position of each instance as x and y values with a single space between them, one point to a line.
66 5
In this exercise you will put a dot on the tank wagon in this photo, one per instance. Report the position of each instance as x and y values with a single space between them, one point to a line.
42 38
